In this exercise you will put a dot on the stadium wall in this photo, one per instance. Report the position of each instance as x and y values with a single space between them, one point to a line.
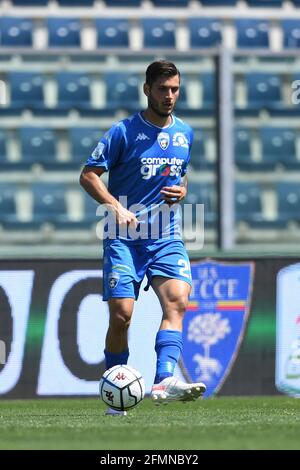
53 324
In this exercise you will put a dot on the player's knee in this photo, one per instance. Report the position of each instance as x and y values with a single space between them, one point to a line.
121 319
179 304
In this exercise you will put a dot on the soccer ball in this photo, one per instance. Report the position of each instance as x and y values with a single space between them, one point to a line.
122 387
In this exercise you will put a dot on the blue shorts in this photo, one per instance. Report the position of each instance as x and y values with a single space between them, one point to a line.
125 264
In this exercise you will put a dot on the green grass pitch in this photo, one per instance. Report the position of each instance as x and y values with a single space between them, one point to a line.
215 423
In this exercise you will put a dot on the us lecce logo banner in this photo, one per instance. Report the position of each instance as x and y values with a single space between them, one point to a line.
215 321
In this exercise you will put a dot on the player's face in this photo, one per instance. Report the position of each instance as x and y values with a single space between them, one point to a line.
162 95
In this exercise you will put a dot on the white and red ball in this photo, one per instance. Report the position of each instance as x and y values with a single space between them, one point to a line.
122 387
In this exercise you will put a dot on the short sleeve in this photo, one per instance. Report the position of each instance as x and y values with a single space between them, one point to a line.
108 149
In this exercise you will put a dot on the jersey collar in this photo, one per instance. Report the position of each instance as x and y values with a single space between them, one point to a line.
153 125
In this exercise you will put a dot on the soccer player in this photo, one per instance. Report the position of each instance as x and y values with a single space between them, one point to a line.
146 156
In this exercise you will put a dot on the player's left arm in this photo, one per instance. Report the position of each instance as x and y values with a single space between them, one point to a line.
175 194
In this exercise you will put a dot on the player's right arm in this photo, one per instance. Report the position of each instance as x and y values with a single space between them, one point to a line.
90 180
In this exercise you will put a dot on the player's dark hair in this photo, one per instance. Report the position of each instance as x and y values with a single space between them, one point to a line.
160 68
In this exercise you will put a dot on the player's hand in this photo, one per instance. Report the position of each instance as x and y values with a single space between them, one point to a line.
173 194
125 217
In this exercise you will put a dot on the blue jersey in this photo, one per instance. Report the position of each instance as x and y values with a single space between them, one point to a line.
141 159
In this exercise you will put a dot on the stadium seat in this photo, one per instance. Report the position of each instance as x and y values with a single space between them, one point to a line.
16 32
296 3
248 203
288 196
265 3
3 153
170 3
75 3
26 90
159 32
252 33
199 157
38 145
203 193
263 90
221 3
123 3
291 33
49 203
207 81
30 3
242 149
204 32
122 91
7 203
63 32
83 140
112 32
73 90
279 146
90 208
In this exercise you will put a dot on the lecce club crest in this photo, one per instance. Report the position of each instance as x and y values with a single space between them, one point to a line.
215 321
163 139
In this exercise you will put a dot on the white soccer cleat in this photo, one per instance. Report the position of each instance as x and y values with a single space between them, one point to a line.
172 389
112 412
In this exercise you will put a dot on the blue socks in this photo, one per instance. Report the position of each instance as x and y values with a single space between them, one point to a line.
113 359
168 347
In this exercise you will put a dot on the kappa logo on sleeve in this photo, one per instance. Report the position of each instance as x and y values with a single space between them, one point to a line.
98 152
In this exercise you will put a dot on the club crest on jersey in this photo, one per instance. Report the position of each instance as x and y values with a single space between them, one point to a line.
163 139
215 321
113 279
180 140
98 152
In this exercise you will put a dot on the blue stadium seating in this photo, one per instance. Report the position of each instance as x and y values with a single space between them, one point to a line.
296 3
252 33
75 3
123 3
265 3
159 32
288 196
26 90
170 3
30 3
204 32
203 193
242 149
49 203
112 32
222 3
122 91
291 33
83 140
248 204
16 32
7 204
63 32
90 208
263 90
279 146
3 153
73 90
38 145
208 84
199 157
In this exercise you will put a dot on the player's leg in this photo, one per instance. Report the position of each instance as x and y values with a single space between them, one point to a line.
173 296
170 277
116 342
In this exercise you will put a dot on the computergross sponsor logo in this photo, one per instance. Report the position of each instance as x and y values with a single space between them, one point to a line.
152 166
